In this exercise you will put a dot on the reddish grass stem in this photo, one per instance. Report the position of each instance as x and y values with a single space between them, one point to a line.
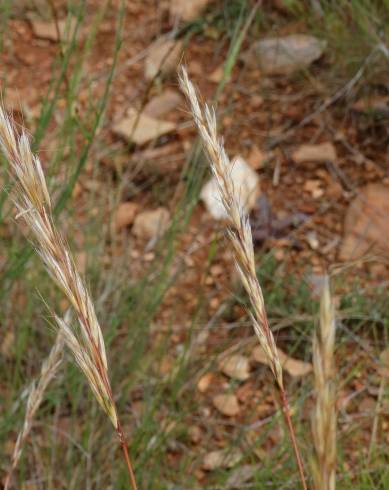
292 434
123 445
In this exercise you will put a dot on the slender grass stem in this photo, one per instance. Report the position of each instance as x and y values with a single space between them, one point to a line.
292 434
126 456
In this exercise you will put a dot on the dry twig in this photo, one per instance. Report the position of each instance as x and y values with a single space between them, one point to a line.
85 340
239 233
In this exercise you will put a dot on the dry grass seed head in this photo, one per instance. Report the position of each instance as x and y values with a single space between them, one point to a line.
34 206
324 413
239 231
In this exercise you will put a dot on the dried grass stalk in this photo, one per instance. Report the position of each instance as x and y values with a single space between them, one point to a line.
324 413
36 391
239 233
33 203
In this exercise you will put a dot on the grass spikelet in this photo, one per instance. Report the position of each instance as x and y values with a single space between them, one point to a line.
239 234
85 340
35 395
324 413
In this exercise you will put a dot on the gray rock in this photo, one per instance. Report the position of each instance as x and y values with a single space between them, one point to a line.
284 55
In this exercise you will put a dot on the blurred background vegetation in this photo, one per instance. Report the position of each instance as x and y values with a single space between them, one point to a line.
170 304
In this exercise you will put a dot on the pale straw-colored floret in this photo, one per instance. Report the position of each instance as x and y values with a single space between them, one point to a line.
90 370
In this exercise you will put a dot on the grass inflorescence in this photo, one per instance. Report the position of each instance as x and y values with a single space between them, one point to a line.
33 203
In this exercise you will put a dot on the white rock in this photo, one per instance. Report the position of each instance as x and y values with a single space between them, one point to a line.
246 182
283 55
222 458
312 240
187 9
236 367
125 214
48 30
162 104
321 153
227 404
366 225
146 128
164 57
205 382
294 367
151 224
